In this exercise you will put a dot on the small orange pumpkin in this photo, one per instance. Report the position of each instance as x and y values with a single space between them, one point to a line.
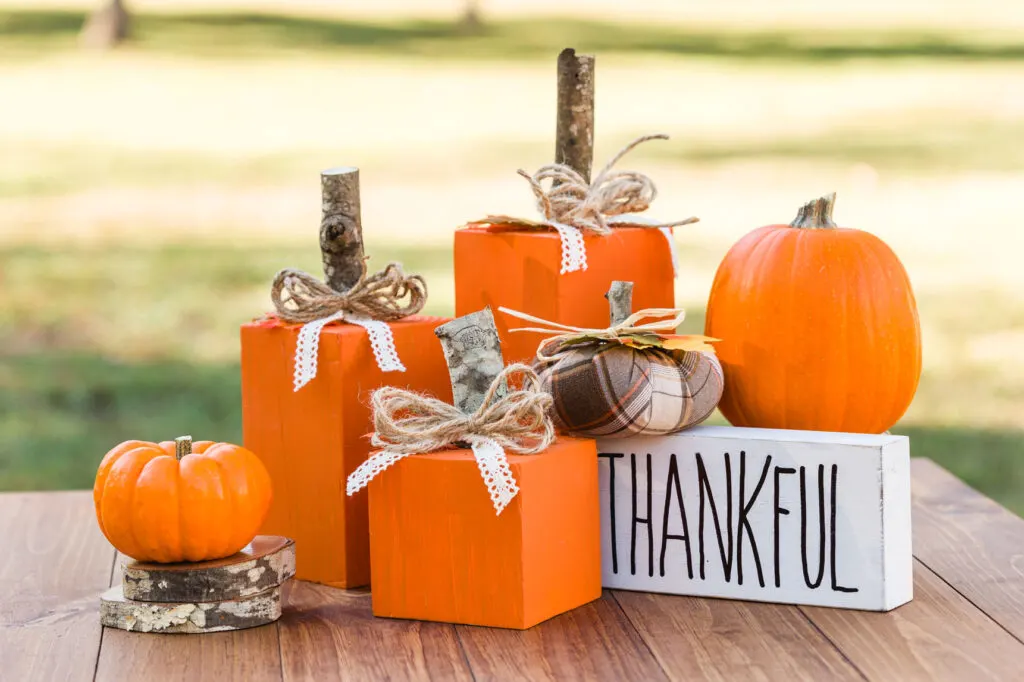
178 501
819 328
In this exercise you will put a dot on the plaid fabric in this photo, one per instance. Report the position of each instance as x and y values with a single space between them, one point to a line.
612 391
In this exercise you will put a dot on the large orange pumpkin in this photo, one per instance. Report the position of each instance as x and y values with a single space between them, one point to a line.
818 327
178 501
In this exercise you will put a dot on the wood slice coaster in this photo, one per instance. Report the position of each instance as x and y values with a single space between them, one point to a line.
141 616
265 563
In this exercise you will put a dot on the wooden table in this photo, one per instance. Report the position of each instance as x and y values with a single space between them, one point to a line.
966 621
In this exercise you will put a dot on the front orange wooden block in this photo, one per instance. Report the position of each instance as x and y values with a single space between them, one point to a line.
310 441
520 270
440 553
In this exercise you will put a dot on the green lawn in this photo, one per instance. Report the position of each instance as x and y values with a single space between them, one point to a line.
147 196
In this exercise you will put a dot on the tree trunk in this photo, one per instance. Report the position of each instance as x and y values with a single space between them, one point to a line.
106 27
471 21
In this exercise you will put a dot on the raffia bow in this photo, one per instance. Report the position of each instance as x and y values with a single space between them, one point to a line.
372 302
659 334
407 423
387 295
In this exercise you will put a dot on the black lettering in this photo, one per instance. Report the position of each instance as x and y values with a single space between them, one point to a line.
612 456
744 523
704 485
821 525
779 512
836 587
672 483
638 520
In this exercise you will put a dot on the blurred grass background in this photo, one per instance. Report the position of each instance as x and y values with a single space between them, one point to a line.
148 194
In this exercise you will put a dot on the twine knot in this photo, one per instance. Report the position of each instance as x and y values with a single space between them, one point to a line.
387 295
407 423
570 200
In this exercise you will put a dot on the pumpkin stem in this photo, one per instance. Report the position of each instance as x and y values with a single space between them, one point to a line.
816 214
182 447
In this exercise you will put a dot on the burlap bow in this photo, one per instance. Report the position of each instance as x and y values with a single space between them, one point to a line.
372 302
659 334
407 423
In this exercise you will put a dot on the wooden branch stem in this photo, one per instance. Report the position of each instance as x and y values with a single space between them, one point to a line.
341 230
620 301
473 352
574 133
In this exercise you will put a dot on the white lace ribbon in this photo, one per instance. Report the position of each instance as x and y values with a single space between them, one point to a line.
307 346
574 253
382 342
490 459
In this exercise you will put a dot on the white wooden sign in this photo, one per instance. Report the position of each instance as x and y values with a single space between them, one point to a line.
797 517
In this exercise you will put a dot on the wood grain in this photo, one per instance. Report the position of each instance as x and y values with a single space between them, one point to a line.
716 639
263 564
54 562
976 545
593 642
938 636
574 127
331 634
218 657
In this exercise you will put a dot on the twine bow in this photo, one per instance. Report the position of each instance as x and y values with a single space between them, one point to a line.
629 327
300 297
372 302
571 206
570 200
407 423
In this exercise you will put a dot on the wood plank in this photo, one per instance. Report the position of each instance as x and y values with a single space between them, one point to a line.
243 655
593 642
54 562
331 634
938 636
716 639
976 545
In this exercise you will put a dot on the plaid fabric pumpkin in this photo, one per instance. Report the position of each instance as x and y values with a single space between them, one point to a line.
608 390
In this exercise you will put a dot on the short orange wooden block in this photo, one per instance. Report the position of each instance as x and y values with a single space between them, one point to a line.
520 269
310 441
440 553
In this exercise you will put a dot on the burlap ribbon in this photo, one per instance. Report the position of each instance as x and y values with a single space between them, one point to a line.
668 320
571 206
407 423
372 302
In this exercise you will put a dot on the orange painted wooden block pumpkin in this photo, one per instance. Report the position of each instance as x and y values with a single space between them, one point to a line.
520 269
818 327
177 501
312 439
440 553
589 233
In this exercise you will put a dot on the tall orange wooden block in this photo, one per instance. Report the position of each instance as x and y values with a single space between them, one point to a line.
520 269
311 440
440 553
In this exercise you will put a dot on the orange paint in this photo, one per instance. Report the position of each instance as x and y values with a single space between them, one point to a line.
440 553
312 440
519 269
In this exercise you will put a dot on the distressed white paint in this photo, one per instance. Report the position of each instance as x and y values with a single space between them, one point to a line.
873 563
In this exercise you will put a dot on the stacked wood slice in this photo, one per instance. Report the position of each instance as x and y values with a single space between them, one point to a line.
238 592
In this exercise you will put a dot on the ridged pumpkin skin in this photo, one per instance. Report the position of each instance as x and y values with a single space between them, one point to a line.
208 505
819 330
